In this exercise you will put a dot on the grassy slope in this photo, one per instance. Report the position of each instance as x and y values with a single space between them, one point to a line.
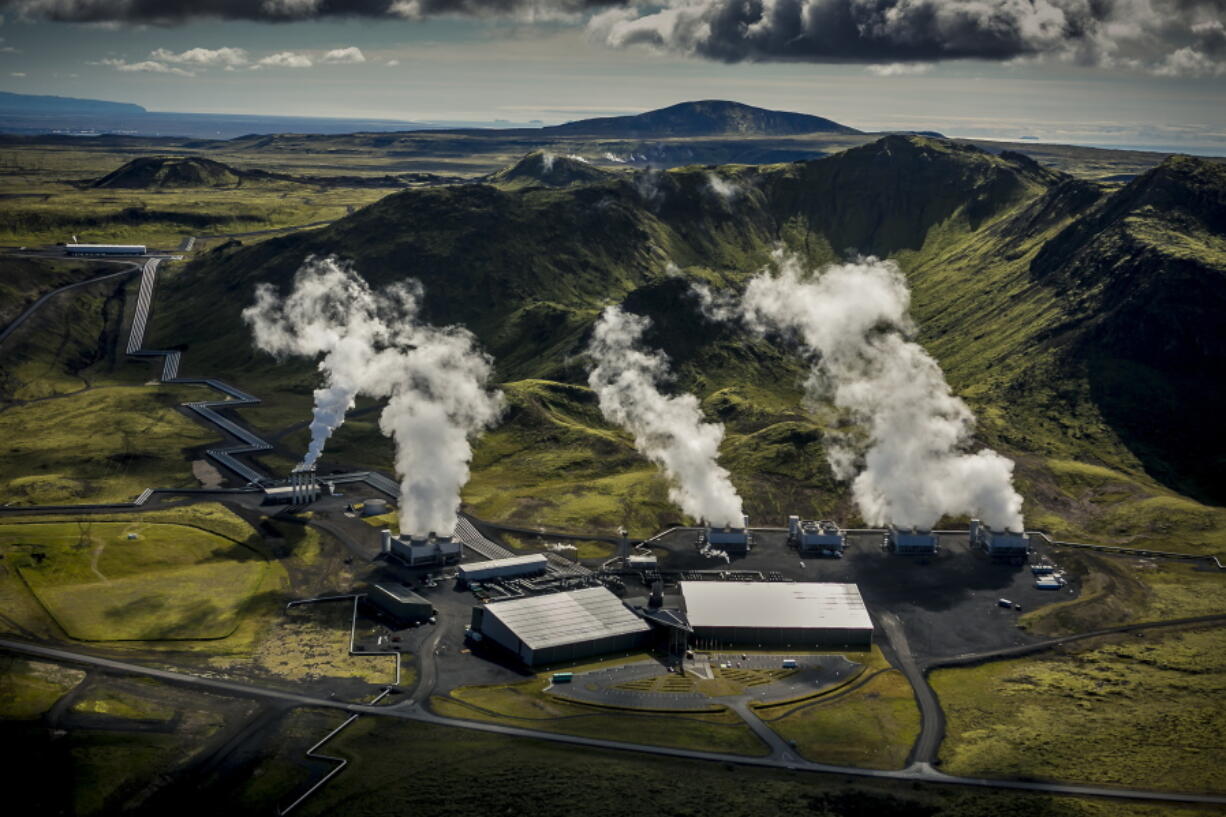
966 227
872 725
171 582
1134 712
526 777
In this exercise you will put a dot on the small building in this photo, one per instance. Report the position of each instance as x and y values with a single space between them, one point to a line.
791 614
1048 583
531 565
642 561
911 540
399 602
423 551
105 249
1004 543
561 626
816 538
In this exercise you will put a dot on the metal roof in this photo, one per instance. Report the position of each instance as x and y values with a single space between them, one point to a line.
532 559
399 592
775 604
566 618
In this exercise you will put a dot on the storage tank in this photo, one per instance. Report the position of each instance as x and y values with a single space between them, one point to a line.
374 507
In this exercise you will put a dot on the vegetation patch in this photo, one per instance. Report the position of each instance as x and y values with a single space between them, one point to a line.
114 581
30 688
872 725
1138 712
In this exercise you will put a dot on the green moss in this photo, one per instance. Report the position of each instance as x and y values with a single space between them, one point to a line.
1130 713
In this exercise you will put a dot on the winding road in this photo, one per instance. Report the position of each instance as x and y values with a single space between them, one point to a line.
413 710
32 308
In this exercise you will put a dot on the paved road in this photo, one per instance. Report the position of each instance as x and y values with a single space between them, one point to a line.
20 319
932 717
415 712
1043 646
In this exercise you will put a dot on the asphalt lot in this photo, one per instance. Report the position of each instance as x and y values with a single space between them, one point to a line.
947 602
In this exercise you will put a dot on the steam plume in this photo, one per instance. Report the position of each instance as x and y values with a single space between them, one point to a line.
912 464
375 343
668 430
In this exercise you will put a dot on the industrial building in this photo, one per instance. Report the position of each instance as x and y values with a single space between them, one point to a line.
421 552
1005 543
911 540
105 249
531 565
733 541
562 626
399 602
816 538
301 488
779 614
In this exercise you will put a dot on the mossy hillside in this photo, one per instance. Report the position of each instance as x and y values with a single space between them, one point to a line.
105 581
104 444
1126 713
528 270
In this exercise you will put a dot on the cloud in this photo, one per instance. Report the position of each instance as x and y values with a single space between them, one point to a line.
908 450
170 12
392 63
899 69
284 59
1174 37
146 67
203 56
351 54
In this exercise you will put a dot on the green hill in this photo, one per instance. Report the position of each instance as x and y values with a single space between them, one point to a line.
161 172
1011 267
709 117
544 169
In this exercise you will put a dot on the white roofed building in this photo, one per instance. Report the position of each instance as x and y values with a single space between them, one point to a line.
562 626
772 614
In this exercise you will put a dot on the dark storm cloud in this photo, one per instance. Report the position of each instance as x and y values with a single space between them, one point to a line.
1163 36
168 12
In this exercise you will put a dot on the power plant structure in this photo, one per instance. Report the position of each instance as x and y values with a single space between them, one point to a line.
300 488
533 564
789 614
421 551
812 538
399 603
1003 543
911 540
733 541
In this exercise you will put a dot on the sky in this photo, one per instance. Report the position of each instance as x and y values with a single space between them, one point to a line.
1139 73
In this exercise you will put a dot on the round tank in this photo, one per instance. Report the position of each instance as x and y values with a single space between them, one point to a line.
374 507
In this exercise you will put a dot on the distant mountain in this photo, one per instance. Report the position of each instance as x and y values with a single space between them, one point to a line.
157 172
11 104
544 169
710 117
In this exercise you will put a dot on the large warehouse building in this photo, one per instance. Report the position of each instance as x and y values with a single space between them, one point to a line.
562 626
772 614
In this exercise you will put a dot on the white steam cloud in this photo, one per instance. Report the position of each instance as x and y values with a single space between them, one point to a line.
374 343
668 430
911 463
